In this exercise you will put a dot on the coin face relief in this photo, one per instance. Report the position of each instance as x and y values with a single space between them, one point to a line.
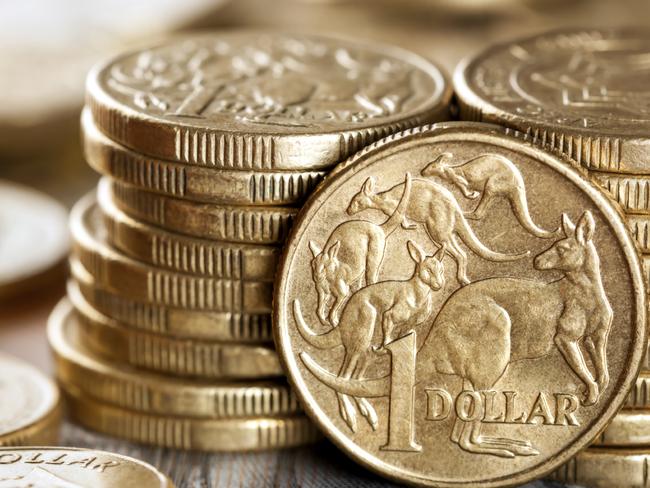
583 91
75 468
456 306
262 100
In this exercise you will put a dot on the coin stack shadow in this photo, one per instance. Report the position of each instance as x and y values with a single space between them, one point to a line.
165 337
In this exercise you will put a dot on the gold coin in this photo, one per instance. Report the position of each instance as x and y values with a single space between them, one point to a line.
263 101
179 322
629 428
582 92
223 435
632 192
30 411
182 357
33 237
229 187
472 347
184 254
639 397
141 282
606 468
67 467
245 224
133 389
640 227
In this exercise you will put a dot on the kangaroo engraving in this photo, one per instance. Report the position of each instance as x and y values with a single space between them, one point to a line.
391 308
485 326
436 207
351 256
488 176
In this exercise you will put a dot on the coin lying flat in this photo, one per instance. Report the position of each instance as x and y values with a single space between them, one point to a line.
223 435
462 355
605 468
141 282
229 187
178 322
262 101
183 357
243 224
178 252
583 92
33 237
67 467
122 386
629 428
30 411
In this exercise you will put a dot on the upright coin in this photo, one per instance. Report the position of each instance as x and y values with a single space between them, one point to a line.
33 236
467 347
66 467
583 92
229 187
30 407
263 101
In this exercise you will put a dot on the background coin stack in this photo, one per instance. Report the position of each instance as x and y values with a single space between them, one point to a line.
605 132
165 337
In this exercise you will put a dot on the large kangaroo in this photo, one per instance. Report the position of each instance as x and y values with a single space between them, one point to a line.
488 176
353 253
436 207
392 307
487 325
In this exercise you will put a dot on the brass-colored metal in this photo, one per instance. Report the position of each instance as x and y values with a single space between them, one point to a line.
632 192
184 254
640 227
178 322
639 397
606 468
210 185
261 100
243 224
145 283
222 435
489 328
68 467
183 357
629 428
583 92
118 384
34 237
30 410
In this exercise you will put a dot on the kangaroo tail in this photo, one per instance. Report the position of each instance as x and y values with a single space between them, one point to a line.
366 388
398 217
520 209
328 340
469 238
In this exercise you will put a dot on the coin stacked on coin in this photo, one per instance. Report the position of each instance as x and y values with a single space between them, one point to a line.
584 93
208 145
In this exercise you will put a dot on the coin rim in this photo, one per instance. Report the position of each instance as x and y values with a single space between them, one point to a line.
556 161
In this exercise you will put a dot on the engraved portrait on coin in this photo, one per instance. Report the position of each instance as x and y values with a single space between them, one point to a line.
262 100
585 92
457 306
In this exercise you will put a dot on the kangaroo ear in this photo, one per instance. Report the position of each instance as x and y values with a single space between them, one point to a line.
585 228
369 186
567 226
415 251
315 250
333 250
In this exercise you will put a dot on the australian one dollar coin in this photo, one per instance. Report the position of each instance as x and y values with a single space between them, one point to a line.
458 307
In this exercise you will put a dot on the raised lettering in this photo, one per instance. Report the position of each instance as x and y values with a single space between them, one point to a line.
438 404
565 408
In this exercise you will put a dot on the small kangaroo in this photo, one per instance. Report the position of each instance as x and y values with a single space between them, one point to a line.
436 207
487 325
392 307
352 254
488 176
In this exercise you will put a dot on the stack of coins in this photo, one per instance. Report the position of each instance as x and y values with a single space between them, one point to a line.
584 93
208 145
